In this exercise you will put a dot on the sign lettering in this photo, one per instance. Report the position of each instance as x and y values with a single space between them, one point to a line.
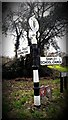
50 60
24 51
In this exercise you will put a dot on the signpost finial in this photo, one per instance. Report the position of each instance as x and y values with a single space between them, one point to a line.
34 25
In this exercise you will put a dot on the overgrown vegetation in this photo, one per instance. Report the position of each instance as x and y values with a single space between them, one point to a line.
16 68
18 101
59 68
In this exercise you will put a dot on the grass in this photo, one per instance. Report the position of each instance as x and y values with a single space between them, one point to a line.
18 100
59 68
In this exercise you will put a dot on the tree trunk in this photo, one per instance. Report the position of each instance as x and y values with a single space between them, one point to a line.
16 54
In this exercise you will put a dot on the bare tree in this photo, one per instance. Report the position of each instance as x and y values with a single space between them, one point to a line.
52 18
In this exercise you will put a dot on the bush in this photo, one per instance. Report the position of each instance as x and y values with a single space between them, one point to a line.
18 69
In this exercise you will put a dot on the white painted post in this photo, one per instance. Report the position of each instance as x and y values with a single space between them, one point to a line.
36 88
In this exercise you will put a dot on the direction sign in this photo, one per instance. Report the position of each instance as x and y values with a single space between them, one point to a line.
50 60
24 51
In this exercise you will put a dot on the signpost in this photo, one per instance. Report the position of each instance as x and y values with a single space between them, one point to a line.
32 35
37 60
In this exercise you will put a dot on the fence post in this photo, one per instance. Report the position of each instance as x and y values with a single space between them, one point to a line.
61 82
65 81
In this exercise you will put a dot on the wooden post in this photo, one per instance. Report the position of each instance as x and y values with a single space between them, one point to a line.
61 82
65 81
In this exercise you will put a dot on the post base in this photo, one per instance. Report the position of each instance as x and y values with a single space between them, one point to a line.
37 106
37 100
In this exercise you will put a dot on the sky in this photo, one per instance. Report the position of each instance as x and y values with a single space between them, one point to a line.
8 45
